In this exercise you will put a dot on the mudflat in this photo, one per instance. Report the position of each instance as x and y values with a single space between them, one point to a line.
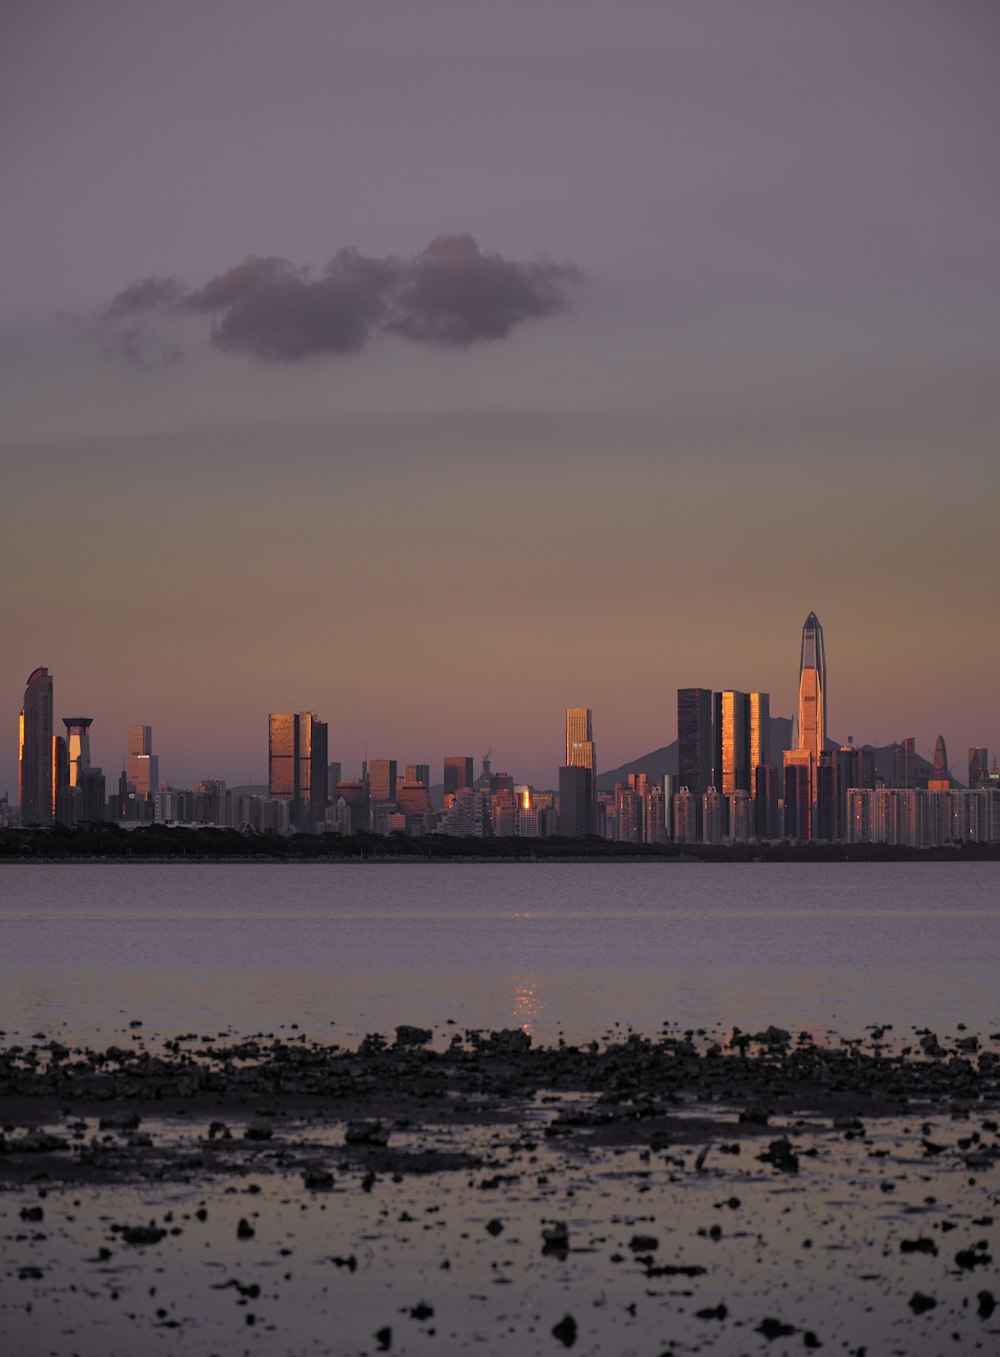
646 1196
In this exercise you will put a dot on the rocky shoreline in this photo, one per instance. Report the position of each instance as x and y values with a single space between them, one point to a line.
642 1196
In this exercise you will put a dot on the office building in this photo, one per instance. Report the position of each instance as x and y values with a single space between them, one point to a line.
766 819
694 739
731 764
297 766
581 752
760 732
382 781
77 746
799 784
903 764
459 773
576 801
36 784
417 772
812 689
142 766
334 773
979 766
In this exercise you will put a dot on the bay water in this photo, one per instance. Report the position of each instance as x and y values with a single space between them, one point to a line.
579 951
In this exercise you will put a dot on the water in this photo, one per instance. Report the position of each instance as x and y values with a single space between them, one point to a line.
561 949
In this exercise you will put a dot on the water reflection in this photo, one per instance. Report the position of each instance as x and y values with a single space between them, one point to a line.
528 1005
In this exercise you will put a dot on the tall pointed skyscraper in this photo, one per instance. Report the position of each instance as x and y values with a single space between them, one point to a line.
37 753
812 689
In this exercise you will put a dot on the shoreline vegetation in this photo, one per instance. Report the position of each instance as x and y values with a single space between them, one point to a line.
165 843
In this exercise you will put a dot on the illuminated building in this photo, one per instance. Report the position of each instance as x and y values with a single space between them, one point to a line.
382 780
812 689
581 752
417 772
297 766
143 766
760 732
940 779
36 785
77 746
458 773
732 742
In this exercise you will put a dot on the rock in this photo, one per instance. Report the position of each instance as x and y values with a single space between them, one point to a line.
421 1310
255 1131
781 1155
986 1304
716 1312
366 1133
917 1246
643 1243
774 1328
409 1037
318 1179
245 1230
141 1235
975 1257
919 1303
383 1338
494 1227
565 1331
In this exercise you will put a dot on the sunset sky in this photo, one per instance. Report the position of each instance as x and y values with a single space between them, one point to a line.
707 337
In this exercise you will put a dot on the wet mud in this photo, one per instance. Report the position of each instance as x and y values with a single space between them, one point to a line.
675 1195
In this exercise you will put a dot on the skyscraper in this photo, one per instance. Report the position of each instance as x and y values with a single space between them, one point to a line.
760 732
36 751
382 780
733 768
812 689
576 801
417 772
297 766
143 767
581 752
78 746
694 739
459 773
979 766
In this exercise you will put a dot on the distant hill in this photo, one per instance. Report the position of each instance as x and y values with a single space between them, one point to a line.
662 761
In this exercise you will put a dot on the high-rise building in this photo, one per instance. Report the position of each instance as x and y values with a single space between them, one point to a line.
334 772
581 752
36 786
903 763
297 766
77 746
812 689
760 732
417 772
733 768
143 766
382 780
799 787
979 766
576 800
694 739
459 773
940 778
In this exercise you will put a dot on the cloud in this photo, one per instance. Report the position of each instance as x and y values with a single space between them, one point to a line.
451 294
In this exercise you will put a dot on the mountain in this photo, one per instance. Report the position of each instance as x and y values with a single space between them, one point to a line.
664 760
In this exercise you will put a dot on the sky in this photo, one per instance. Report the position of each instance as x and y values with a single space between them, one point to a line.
435 367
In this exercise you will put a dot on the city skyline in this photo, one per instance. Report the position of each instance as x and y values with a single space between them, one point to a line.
586 363
725 750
